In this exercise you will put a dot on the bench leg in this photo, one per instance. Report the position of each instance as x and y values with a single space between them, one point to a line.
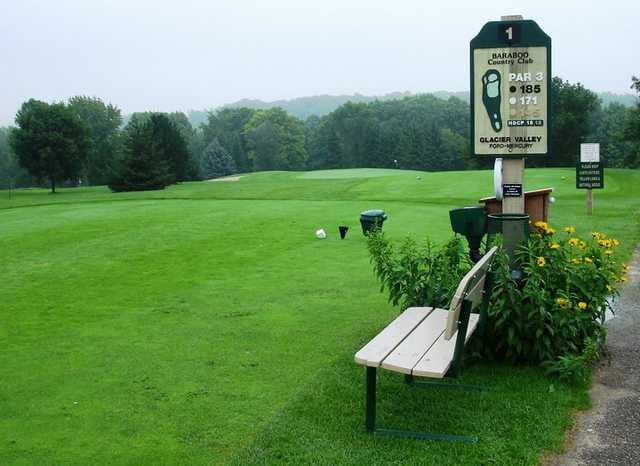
463 325
370 421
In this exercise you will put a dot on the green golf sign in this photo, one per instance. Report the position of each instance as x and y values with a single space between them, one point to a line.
510 89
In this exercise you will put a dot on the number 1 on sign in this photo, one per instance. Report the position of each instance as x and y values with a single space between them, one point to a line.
509 32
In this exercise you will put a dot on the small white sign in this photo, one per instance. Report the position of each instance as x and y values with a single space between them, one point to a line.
590 152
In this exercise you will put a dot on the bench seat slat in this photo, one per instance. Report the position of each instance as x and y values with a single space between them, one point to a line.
374 352
436 362
410 351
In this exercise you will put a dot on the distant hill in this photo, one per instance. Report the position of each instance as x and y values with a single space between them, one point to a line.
320 105
304 107
628 100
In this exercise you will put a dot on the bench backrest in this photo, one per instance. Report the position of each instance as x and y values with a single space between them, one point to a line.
471 287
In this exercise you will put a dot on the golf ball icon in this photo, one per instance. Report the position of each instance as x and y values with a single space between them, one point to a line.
491 98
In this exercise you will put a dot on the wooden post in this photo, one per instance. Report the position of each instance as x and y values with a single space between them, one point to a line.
513 173
589 201
513 169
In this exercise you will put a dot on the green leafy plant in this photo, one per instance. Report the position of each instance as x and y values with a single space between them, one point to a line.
557 310
418 274
575 368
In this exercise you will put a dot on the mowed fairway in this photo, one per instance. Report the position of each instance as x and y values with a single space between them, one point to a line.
205 324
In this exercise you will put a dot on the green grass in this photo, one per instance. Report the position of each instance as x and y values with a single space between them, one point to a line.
204 324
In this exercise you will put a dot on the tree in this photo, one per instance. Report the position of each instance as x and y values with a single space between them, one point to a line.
103 122
573 107
147 164
11 173
170 137
632 130
609 133
51 142
216 161
276 140
227 125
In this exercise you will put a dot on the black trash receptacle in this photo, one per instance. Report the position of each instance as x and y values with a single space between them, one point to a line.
372 220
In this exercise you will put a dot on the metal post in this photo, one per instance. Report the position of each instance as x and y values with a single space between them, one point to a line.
484 307
589 201
371 399
463 324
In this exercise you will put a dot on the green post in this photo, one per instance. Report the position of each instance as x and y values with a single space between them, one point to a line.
463 325
371 399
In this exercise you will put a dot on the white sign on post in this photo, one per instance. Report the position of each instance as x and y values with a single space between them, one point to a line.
589 152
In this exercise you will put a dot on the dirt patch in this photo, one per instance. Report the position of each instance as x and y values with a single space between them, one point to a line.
226 178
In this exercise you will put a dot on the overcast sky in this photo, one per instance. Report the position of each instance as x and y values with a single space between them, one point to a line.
195 54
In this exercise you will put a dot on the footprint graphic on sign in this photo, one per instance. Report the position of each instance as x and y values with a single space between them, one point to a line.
491 98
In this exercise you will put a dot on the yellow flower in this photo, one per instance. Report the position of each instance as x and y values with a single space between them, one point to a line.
573 241
583 245
562 303
588 260
550 231
582 305
610 289
575 261
540 224
554 245
597 235
570 229
608 252
623 279
615 242
625 268
541 262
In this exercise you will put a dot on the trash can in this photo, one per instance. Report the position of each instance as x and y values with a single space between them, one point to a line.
514 229
470 222
372 220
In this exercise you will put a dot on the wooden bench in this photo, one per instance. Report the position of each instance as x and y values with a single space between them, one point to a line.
426 342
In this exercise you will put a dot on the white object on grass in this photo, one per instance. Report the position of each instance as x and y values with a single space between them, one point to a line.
321 234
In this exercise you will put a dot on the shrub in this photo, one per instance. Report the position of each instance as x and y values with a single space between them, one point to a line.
418 275
556 313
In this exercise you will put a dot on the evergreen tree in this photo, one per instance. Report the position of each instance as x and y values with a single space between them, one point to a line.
171 133
216 161
146 165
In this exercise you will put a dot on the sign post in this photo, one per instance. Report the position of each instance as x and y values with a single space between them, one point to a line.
589 172
510 112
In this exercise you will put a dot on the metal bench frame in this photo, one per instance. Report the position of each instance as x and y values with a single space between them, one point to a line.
466 307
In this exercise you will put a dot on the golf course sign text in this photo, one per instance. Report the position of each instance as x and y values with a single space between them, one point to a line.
510 89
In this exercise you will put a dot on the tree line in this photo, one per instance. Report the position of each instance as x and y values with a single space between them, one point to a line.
85 141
